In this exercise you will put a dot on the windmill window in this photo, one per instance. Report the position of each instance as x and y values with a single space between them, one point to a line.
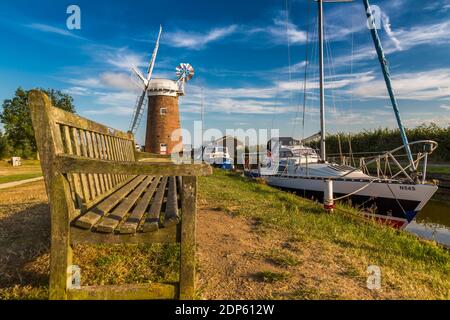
163 111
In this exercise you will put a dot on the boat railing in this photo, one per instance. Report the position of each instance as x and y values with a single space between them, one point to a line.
391 164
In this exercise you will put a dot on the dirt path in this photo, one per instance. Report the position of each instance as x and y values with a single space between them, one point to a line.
18 183
237 260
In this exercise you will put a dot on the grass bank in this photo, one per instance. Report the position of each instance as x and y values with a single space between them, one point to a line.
439 169
408 265
19 177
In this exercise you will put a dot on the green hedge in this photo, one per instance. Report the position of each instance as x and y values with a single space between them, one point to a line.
387 139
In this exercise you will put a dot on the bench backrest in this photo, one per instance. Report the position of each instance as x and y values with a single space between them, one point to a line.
61 132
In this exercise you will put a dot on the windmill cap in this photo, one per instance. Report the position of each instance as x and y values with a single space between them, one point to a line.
163 87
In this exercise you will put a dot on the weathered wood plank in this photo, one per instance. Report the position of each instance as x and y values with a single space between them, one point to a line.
109 223
164 235
73 120
125 292
132 223
73 178
171 212
84 153
94 202
90 148
49 144
70 164
138 155
188 224
153 219
101 177
95 214
111 156
83 178
104 156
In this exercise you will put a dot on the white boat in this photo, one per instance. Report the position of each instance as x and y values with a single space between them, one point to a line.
394 198
218 156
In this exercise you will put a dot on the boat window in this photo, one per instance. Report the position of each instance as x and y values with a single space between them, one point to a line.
286 154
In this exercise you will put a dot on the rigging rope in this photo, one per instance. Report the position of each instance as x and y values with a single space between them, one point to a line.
351 66
289 51
297 113
330 69
306 68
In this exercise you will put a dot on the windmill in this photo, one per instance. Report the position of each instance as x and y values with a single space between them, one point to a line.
144 83
160 98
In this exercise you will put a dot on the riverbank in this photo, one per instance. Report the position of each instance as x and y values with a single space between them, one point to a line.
254 242
443 193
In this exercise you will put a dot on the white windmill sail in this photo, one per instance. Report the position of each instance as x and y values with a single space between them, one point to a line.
143 82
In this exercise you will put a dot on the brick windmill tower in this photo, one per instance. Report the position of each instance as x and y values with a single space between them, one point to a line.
163 117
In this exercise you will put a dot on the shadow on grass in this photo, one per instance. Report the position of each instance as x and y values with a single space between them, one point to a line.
24 246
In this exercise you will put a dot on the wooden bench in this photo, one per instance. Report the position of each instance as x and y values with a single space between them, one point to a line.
102 192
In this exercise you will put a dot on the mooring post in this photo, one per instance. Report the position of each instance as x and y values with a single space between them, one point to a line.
328 203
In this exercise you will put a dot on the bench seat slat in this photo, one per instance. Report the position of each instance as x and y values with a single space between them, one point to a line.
94 215
132 223
153 218
110 222
171 213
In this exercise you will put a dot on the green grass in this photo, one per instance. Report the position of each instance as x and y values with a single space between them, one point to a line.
281 258
5 164
19 177
439 169
407 260
271 277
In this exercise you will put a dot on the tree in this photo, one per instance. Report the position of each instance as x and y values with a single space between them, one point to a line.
5 148
17 119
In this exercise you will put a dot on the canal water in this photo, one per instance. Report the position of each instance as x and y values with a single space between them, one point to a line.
433 222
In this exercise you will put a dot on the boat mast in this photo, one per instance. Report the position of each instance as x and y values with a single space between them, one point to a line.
387 79
322 89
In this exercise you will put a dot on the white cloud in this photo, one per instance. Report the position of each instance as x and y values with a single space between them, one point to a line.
279 31
403 39
438 33
123 59
428 85
113 103
118 80
196 40
117 111
390 33
338 81
50 29
78 91
441 6
414 120
281 28
86 82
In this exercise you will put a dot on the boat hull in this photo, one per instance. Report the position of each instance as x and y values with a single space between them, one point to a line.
393 203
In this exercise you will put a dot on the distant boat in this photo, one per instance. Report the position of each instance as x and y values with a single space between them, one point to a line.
218 156
394 199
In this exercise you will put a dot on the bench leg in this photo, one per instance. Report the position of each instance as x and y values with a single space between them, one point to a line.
187 257
61 251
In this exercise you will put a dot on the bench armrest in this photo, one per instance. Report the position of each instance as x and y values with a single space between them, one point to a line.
76 164
147 155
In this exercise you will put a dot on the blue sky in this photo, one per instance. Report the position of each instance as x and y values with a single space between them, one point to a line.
239 50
